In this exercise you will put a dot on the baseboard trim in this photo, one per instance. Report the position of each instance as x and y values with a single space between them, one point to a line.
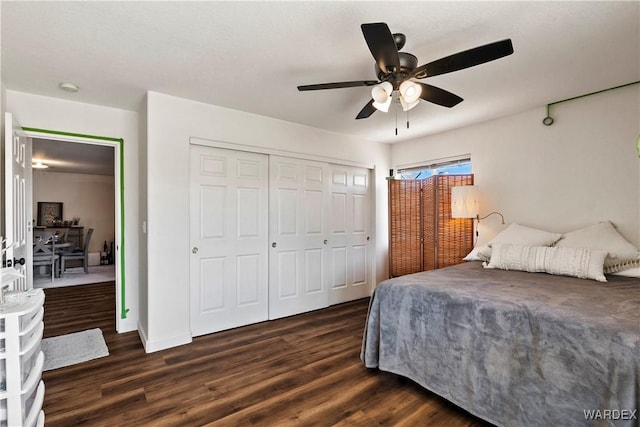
151 346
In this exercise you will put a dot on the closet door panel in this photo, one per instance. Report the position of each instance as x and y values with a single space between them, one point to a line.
229 238
299 217
349 233
286 274
211 285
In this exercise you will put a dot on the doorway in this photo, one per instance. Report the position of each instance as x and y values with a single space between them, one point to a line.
97 176
79 179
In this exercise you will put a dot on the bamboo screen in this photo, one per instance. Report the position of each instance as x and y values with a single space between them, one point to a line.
429 231
404 227
454 235
422 234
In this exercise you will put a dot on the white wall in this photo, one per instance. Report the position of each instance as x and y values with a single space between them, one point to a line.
171 123
56 114
88 197
582 169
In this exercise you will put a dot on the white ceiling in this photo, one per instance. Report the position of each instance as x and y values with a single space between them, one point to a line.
250 56
72 157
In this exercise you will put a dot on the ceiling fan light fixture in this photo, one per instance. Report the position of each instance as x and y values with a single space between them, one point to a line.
39 165
383 106
69 87
396 71
406 106
382 92
410 91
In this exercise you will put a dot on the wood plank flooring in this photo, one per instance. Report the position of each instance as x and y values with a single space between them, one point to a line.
303 370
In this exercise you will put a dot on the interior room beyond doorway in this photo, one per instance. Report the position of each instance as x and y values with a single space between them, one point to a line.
73 187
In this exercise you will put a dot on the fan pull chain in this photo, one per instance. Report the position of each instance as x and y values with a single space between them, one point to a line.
396 122
407 119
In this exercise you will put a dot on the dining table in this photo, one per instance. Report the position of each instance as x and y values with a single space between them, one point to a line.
58 248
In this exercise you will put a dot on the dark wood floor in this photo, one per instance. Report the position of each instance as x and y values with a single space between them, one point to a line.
299 371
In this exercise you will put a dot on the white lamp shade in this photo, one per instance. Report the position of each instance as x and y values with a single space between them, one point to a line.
383 106
382 92
464 202
410 91
408 106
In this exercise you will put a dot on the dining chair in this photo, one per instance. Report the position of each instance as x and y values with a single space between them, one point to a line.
82 255
62 235
44 253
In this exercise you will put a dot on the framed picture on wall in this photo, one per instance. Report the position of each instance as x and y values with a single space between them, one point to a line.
49 213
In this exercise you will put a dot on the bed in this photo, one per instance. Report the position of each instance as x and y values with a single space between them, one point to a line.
512 347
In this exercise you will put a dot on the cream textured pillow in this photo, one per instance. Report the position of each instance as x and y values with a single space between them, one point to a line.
617 265
474 255
517 234
576 262
630 272
602 236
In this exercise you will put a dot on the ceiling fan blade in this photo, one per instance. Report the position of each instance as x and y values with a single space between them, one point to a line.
439 96
367 111
382 46
461 60
338 85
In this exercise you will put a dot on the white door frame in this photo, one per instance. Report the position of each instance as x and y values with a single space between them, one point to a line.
119 258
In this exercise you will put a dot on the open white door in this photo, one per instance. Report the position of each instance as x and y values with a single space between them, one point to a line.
18 204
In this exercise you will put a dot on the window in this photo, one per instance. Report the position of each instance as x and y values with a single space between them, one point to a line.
451 167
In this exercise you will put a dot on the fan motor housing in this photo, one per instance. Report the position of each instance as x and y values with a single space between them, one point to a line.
408 62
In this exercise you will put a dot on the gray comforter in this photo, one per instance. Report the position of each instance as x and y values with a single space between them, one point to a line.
514 348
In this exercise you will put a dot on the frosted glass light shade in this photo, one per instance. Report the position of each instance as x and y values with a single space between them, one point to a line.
408 106
382 92
410 91
464 202
383 106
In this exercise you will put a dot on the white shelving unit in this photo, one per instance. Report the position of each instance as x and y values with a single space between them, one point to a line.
21 360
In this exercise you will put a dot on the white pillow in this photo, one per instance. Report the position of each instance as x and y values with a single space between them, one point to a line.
474 255
517 234
602 236
576 262
629 272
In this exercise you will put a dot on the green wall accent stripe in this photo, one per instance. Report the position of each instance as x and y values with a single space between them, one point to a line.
81 135
592 93
120 141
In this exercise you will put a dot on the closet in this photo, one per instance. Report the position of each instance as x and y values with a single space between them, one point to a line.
274 236
422 234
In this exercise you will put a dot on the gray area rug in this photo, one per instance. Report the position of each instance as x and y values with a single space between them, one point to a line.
70 349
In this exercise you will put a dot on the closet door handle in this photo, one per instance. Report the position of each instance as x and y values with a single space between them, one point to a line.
194 250
274 244
326 241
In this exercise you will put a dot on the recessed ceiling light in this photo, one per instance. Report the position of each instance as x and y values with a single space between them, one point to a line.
68 87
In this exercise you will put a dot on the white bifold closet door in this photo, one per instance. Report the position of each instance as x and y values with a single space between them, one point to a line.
229 239
349 237
274 236
298 232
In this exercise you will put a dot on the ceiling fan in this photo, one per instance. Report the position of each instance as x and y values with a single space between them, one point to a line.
396 71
